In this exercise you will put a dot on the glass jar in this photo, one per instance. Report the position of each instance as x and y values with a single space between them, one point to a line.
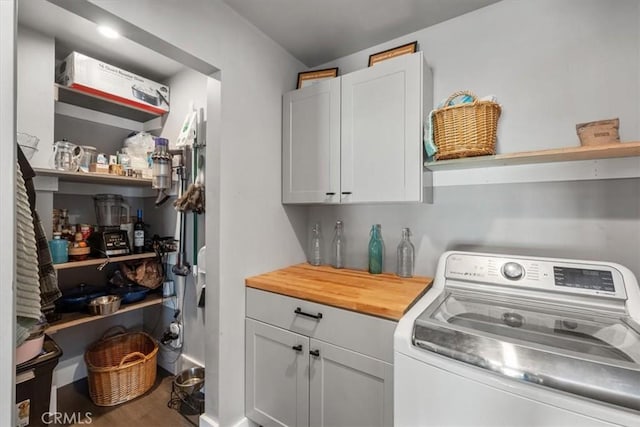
376 250
59 249
406 255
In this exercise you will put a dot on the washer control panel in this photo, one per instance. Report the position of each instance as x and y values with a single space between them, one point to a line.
547 274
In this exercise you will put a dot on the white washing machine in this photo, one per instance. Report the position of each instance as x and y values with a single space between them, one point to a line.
505 340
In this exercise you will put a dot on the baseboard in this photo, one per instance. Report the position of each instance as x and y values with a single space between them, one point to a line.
206 421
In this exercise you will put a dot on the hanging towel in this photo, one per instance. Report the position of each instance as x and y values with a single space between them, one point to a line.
49 290
27 281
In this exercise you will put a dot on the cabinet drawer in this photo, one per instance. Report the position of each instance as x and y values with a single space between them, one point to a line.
365 334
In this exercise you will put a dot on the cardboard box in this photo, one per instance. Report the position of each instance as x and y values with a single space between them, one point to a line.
106 81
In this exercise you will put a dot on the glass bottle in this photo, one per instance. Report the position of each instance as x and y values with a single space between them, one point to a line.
315 252
406 255
338 246
138 234
376 250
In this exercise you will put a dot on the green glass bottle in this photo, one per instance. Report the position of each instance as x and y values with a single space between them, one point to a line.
376 250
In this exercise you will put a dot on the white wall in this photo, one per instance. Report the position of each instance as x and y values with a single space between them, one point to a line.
256 233
35 104
8 86
551 64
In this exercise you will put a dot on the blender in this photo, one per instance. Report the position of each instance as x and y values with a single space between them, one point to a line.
110 240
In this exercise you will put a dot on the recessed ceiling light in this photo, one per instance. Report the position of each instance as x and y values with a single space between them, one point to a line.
108 32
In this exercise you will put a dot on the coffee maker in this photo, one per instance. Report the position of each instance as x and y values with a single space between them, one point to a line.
109 240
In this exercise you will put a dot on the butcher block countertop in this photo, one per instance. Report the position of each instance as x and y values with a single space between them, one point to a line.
384 295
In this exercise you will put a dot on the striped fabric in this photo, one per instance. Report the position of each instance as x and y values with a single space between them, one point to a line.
27 277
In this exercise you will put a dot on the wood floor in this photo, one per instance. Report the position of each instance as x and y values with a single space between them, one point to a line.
149 410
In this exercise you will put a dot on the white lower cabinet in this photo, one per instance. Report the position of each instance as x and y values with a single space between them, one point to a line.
295 379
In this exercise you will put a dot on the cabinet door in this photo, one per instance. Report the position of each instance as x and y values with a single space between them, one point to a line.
381 132
277 378
348 388
311 144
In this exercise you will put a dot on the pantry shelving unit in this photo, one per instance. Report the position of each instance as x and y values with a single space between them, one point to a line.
607 161
69 320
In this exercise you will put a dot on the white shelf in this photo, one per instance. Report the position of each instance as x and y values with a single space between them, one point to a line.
69 320
94 178
98 261
611 161
67 95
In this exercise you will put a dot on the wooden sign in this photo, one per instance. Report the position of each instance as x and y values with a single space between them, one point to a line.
392 53
308 77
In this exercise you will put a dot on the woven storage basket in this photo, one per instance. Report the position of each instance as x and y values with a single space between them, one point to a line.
121 367
465 130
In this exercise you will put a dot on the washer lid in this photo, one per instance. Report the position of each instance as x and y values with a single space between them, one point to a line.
586 353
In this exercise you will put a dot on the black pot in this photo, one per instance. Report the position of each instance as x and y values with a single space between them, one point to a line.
77 298
130 293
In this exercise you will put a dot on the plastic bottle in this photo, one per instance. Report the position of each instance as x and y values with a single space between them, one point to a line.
338 246
138 234
59 249
315 252
376 250
406 255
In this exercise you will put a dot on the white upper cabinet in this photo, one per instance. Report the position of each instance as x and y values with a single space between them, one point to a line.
382 132
357 138
311 144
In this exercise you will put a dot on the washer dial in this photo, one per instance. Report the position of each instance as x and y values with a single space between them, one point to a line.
512 271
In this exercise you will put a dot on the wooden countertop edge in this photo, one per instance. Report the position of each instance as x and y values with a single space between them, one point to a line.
313 290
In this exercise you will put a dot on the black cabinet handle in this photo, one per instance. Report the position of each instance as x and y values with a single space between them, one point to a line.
297 347
330 194
346 192
315 353
299 311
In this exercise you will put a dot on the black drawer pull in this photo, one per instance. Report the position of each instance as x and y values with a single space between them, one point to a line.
299 311
297 347
346 192
330 194
315 353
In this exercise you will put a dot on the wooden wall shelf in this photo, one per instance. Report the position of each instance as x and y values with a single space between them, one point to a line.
608 151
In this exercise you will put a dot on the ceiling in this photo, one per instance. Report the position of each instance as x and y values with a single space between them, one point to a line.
314 31
73 32
318 31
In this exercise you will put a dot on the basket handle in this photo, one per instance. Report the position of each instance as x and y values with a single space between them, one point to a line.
109 332
454 95
131 356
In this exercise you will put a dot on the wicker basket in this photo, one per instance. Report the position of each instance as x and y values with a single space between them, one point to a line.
465 130
121 367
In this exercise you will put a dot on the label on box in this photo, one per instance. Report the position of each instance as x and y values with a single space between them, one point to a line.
106 81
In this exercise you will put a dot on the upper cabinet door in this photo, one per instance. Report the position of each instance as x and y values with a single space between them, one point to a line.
381 132
311 144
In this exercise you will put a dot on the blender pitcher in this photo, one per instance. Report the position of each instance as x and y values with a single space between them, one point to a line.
110 208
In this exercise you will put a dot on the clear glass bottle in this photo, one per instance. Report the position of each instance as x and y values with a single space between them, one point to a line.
338 246
315 250
376 250
406 255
